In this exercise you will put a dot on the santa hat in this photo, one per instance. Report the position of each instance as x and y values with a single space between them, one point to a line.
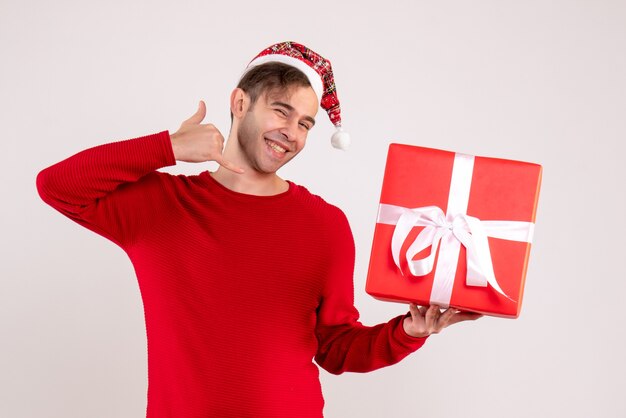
320 75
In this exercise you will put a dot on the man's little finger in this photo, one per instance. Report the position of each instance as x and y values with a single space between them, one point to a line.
230 166
465 316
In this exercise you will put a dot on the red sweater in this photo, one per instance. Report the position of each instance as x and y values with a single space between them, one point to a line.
240 292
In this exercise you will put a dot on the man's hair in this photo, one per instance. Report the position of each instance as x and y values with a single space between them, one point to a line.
270 77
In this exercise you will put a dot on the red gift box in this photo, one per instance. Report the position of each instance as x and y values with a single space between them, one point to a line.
454 230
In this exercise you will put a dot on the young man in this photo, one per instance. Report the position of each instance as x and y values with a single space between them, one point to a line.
245 277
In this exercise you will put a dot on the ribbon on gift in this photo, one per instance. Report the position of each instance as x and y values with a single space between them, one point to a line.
447 232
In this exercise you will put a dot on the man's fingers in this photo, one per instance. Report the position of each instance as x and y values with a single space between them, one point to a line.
464 316
227 164
434 321
447 316
197 117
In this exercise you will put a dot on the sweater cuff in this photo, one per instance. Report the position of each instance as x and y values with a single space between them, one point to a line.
404 339
166 143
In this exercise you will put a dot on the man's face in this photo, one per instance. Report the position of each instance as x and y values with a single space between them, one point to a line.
275 129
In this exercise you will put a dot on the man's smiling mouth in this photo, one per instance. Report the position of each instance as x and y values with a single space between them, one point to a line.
275 146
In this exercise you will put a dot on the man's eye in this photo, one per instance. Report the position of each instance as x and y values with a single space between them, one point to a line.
305 126
281 111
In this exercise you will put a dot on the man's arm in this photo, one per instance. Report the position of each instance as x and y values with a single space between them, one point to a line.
97 186
114 189
347 345
344 343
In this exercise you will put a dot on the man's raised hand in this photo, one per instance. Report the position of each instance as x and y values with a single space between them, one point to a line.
195 142
425 321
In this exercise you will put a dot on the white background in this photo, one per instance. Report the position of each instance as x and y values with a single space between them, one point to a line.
539 81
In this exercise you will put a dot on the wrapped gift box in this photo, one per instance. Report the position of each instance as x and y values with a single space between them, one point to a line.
454 230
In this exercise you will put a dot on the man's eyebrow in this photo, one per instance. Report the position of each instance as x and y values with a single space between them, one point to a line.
291 108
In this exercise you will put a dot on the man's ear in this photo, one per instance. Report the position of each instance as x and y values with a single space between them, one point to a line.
239 102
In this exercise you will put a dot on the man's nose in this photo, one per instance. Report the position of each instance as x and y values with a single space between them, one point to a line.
289 130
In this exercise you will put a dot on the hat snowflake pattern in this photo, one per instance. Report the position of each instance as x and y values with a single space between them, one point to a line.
320 74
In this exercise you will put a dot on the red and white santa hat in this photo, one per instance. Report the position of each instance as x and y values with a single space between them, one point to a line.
320 75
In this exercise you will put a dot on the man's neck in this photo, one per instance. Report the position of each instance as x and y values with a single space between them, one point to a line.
250 183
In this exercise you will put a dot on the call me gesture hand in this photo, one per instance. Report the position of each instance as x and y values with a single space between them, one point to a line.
426 321
196 143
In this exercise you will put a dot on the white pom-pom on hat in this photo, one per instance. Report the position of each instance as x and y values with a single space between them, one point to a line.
340 139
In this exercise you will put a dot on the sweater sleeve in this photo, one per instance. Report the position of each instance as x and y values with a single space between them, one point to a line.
344 343
107 188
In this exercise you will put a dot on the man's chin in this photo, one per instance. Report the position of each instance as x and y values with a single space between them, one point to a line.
272 168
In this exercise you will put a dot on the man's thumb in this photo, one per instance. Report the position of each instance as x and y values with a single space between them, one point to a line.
197 117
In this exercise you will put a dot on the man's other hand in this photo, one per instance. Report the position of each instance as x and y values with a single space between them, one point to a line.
425 321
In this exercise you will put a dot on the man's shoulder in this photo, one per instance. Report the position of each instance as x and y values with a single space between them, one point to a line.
327 219
317 204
